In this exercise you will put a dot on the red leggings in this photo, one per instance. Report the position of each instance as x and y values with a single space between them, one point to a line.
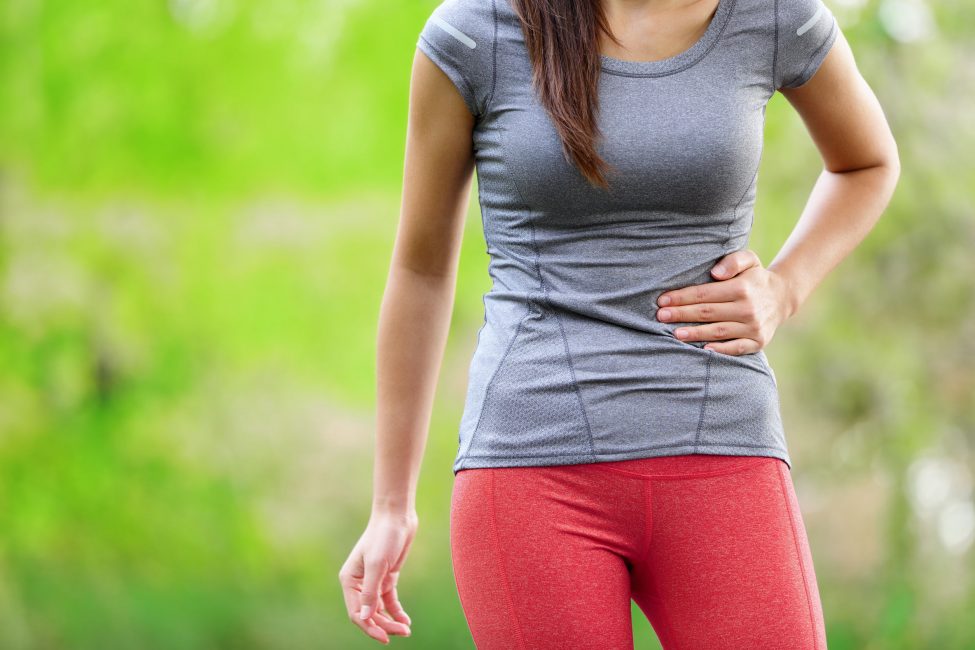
711 547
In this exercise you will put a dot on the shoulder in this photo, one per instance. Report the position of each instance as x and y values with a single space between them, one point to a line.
460 37
787 40
805 31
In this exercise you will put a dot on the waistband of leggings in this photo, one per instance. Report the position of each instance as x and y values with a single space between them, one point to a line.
681 466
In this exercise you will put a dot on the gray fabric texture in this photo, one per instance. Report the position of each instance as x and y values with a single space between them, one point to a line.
571 364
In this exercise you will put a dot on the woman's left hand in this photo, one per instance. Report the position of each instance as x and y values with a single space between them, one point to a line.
746 305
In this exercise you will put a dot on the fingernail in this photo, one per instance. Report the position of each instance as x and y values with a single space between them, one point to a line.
681 333
664 300
364 612
719 270
664 314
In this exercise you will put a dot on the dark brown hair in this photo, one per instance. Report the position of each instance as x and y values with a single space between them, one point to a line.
562 41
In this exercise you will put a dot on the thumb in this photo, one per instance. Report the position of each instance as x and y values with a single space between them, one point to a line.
369 596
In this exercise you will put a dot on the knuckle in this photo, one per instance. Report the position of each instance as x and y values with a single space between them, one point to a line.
721 331
374 562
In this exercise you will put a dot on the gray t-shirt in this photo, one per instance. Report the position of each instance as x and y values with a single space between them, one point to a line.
571 364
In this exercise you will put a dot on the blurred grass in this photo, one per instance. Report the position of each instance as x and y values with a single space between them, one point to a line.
197 205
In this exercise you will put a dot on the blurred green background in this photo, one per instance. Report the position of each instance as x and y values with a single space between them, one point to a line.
197 208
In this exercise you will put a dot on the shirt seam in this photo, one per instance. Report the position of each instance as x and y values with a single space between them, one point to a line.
558 320
748 187
494 58
494 375
541 283
775 49
704 399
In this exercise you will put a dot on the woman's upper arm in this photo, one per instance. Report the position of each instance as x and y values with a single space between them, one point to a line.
437 173
815 70
450 85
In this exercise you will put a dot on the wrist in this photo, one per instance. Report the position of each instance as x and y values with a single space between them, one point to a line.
395 505
789 293
405 518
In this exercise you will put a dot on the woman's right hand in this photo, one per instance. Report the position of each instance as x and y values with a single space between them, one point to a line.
371 571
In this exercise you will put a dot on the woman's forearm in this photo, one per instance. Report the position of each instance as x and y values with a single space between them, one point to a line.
413 324
842 209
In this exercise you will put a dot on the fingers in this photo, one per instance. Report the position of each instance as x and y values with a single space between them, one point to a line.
715 332
734 263
381 617
375 570
726 291
727 267
370 574
735 348
395 609
370 627
352 577
704 313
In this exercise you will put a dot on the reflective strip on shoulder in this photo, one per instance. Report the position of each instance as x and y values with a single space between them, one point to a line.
812 21
453 31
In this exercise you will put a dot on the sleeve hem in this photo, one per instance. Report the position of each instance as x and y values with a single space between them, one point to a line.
817 58
463 85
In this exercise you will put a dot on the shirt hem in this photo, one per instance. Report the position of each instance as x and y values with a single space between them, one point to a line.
739 449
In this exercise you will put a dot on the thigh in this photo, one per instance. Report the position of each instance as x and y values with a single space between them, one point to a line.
729 564
537 556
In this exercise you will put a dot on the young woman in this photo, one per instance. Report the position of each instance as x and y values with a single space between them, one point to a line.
621 437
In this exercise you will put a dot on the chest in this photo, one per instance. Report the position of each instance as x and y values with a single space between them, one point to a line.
688 142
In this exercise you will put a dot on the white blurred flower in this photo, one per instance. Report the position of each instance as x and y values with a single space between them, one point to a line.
907 21
930 483
956 525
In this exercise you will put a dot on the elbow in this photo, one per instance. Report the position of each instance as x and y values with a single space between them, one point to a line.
892 164
892 161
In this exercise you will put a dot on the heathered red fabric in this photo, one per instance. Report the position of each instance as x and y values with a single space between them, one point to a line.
712 548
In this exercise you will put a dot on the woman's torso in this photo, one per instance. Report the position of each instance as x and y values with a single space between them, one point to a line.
571 363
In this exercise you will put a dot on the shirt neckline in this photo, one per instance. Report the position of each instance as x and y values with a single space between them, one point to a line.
679 61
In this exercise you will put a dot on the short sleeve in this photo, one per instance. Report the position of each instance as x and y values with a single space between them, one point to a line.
459 38
806 30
